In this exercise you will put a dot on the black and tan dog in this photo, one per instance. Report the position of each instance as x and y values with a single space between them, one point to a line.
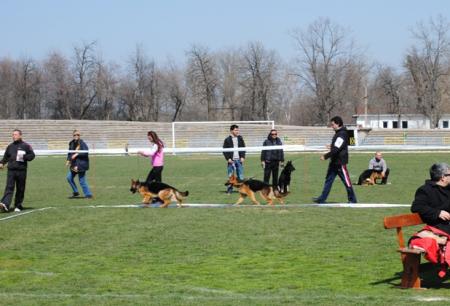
285 178
372 180
251 186
163 191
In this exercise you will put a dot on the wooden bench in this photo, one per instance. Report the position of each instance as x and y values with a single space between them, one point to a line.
410 257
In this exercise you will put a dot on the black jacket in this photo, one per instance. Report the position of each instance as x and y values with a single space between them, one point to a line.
272 155
10 156
429 200
228 143
82 159
339 148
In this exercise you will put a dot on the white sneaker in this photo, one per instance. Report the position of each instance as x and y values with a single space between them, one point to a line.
17 209
3 207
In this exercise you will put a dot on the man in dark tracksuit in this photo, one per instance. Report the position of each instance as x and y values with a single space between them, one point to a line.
270 159
17 155
338 156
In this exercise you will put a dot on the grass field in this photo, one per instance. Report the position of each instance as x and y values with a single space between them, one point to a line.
74 255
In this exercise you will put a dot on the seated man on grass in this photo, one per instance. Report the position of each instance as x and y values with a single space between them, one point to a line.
376 164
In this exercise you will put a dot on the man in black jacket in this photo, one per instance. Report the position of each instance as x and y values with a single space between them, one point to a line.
338 156
235 159
270 159
17 155
432 200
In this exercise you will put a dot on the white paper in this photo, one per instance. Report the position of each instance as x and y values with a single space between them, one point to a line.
20 154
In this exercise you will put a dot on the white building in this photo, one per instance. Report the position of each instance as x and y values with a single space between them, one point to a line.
391 121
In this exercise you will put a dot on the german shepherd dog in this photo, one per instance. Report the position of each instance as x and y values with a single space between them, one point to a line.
156 189
250 187
373 178
285 178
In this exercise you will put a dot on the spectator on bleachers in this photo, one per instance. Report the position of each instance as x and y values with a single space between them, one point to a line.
78 163
17 155
376 164
271 159
235 159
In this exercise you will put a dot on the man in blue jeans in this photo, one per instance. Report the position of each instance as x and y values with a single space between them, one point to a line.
236 158
338 156
78 163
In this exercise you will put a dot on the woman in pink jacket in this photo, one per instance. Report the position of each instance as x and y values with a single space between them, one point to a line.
156 153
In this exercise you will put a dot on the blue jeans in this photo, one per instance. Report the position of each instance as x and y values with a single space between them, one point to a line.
342 172
236 165
83 182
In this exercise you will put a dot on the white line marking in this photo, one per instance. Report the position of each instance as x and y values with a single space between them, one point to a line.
205 205
24 213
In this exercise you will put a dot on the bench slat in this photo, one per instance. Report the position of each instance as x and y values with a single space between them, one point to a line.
402 220
410 251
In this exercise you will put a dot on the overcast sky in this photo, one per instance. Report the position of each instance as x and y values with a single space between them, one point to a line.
32 28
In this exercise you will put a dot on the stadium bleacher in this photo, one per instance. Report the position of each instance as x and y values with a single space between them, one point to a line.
55 134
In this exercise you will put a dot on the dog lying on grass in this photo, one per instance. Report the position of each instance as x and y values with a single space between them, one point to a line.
373 178
250 187
163 191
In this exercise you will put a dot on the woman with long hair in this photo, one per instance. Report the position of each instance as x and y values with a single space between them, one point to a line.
156 154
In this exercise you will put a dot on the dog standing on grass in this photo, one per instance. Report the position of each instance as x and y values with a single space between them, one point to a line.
250 187
163 191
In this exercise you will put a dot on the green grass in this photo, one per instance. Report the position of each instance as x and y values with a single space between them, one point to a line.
69 255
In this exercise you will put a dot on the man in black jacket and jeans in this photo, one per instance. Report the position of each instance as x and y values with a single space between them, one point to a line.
235 159
338 156
17 154
270 159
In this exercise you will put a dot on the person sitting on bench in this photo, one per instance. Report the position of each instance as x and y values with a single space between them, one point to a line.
376 164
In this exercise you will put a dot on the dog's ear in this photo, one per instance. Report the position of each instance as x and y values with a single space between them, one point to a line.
132 181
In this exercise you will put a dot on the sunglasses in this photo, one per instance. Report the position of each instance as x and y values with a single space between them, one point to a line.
274 134
448 174
76 135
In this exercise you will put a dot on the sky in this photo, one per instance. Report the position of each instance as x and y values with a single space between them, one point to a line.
168 28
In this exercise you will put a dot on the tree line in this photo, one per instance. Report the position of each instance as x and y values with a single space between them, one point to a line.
329 75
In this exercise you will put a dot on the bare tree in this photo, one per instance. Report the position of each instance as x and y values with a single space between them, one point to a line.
202 78
106 84
84 71
28 90
175 89
258 76
7 81
326 52
141 92
229 89
57 87
427 63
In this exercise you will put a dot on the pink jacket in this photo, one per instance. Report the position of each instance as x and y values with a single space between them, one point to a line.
157 158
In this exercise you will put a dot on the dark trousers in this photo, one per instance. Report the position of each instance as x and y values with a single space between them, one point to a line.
155 175
342 172
15 178
271 168
367 173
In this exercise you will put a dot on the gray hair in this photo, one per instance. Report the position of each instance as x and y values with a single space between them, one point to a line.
437 171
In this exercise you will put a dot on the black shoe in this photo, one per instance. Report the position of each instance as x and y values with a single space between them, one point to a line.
318 201
88 196
74 195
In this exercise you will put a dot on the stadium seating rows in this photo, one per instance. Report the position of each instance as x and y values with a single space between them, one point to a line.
55 134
